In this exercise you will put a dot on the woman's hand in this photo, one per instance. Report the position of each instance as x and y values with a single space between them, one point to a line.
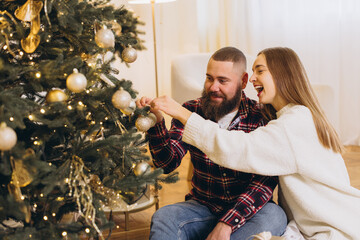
170 107
145 101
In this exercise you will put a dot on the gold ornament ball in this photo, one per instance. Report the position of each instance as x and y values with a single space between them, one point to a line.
121 99
8 137
129 54
105 38
143 123
56 95
76 82
130 109
142 168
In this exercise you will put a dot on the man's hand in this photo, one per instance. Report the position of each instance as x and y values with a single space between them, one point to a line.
145 101
222 231
170 107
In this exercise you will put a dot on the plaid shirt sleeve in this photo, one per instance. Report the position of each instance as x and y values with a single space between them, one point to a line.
166 147
258 193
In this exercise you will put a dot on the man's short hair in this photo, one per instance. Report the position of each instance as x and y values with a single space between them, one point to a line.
230 54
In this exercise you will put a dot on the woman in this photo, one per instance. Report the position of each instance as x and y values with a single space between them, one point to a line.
298 144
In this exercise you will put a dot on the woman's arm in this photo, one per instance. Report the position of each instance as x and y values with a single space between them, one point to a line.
171 108
265 151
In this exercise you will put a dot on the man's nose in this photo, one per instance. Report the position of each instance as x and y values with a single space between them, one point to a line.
214 87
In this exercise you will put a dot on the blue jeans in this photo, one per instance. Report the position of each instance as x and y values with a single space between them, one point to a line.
191 220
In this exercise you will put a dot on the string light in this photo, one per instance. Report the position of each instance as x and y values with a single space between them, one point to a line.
64 234
42 111
41 195
36 143
31 117
21 53
45 218
54 214
80 103
38 75
87 230
5 47
50 163
11 119
69 107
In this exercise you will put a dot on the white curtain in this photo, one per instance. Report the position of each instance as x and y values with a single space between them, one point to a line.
324 33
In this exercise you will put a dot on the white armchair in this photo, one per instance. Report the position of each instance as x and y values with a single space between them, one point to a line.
188 77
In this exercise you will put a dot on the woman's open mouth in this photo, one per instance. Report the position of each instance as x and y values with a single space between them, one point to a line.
259 89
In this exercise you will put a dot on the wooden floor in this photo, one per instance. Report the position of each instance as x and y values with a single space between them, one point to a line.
172 193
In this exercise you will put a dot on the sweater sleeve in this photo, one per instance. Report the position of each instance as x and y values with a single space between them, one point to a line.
266 150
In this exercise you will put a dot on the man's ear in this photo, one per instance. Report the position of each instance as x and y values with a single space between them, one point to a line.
244 80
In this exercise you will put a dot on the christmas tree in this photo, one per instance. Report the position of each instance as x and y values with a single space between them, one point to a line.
70 136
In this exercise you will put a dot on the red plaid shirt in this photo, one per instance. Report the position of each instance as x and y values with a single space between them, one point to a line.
232 195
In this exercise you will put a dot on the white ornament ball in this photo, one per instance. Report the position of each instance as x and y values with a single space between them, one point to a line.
76 82
143 123
142 168
121 99
129 54
105 38
130 109
8 137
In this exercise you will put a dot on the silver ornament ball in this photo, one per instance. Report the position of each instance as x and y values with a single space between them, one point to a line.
121 99
105 38
143 123
153 118
76 82
130 109
8 137
142 168
129 54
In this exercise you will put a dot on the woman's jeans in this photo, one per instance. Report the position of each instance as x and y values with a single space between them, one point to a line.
191 220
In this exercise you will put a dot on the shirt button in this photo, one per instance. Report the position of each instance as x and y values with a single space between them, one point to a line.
224 174
239 226
236 220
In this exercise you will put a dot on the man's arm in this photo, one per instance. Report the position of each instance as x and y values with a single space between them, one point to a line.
166 147
257 194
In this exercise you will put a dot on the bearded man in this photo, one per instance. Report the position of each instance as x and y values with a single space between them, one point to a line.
223 203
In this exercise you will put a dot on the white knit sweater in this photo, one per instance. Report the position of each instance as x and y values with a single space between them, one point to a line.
314 186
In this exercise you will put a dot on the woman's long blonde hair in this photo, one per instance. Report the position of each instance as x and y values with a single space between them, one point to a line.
293 85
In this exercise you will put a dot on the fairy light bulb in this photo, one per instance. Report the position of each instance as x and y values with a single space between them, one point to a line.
42 111
11 119
64 234
31 117
45 218
69 107
38 75
87 230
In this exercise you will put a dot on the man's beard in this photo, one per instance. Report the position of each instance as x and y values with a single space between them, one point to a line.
214 111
